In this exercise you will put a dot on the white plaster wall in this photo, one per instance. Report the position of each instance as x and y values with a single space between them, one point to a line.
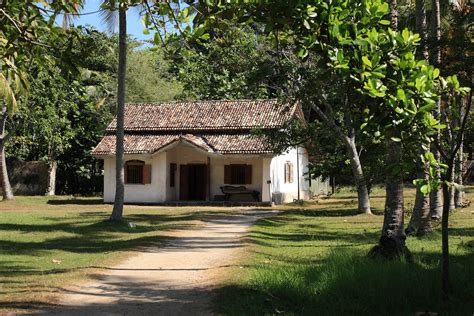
277 171
217 173
138 193
188 154
263 168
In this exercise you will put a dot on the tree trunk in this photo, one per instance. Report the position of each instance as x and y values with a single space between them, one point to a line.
349 141
436 203
420 221
52 167
117 211
5 181
421 29
459 161
392 242
393 14
444 232
459 194
436 196
361 184
452 206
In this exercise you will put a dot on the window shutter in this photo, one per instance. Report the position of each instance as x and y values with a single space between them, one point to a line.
286 173
291 172
248 174
146 174
227 174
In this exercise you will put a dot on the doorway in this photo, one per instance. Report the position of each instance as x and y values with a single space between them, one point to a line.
193 182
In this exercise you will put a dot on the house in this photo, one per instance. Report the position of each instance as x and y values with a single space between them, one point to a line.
187 151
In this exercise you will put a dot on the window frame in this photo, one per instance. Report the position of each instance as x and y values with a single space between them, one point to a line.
238 174
139 166
288 172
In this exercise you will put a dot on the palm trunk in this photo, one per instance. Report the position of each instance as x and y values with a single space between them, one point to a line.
52 167
117 211
420 221
421 28
436 196
5 181
392 242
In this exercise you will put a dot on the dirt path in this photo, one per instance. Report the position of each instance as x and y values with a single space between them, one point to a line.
176 279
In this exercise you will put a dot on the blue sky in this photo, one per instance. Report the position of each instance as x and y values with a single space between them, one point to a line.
134 23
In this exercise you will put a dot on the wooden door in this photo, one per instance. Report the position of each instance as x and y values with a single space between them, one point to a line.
183 182
197 181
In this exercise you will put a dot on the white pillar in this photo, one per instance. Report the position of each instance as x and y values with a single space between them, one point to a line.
266 197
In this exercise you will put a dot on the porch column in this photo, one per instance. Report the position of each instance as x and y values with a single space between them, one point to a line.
266 194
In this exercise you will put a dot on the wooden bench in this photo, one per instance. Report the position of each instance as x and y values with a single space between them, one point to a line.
230 190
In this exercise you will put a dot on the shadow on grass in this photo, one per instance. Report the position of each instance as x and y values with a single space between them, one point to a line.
127 299
328 212
349 283
75 202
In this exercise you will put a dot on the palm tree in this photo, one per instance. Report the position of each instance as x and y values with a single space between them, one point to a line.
117 211
436 199
420 221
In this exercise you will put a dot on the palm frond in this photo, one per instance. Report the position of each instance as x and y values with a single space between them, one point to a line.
6 93
109 14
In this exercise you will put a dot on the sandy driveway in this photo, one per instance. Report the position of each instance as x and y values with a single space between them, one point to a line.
176 279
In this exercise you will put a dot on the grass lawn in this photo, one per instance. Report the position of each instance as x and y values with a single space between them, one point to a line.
49 242
312 260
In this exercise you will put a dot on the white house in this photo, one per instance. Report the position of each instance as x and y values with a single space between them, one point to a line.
188 151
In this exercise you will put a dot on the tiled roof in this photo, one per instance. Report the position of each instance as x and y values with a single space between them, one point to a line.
216 143
205 115
238 143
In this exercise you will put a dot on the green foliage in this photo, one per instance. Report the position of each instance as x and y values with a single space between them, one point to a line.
27 34
66 113
394 92
235 64
148 79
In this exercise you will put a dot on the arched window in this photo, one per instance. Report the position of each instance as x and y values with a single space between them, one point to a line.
134 172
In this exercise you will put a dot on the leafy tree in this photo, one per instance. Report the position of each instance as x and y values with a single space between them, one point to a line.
148 78
391 89
449 149
27 34
236 64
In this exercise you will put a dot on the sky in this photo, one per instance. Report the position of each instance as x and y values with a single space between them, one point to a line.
134 23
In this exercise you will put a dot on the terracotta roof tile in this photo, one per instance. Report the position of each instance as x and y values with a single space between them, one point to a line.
217 143
134 144
205 115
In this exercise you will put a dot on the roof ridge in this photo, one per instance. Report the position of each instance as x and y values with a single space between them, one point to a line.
198 101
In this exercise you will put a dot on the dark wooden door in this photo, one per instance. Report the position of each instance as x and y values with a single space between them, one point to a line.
183 182
197 181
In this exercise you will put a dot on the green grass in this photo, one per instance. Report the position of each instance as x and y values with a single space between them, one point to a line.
312 260
75 233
